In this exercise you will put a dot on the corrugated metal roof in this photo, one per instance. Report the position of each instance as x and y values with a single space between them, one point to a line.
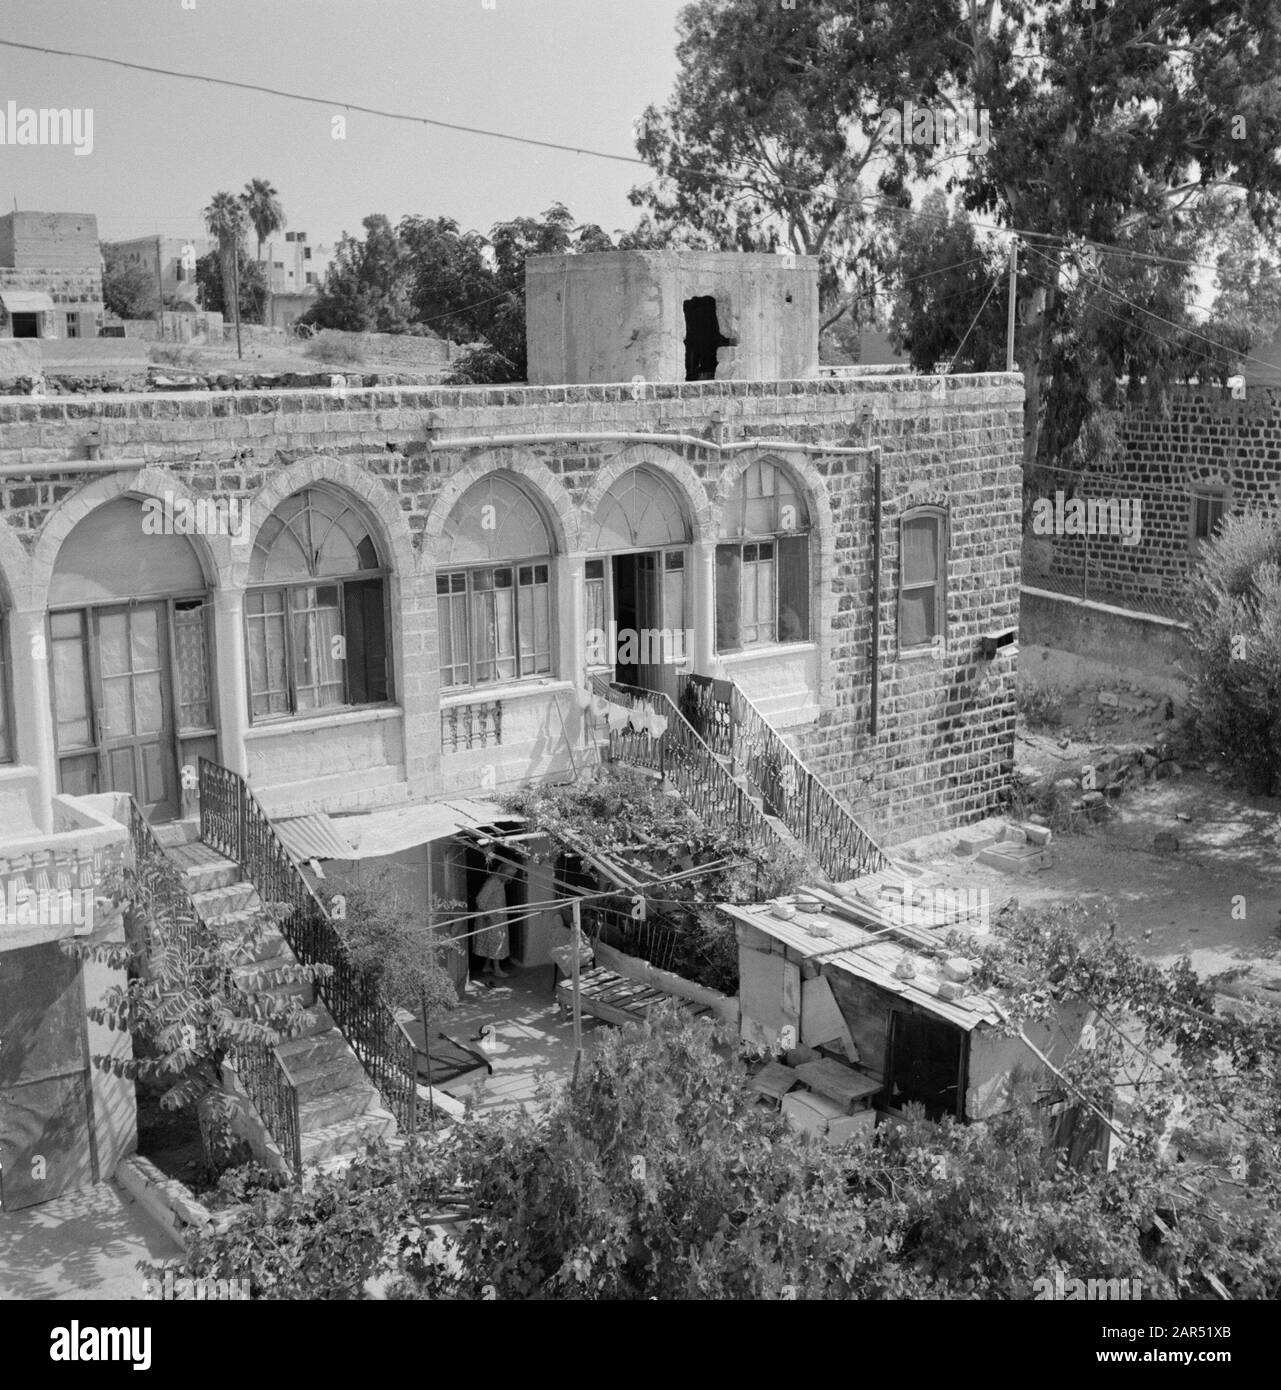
869 957
312 837
376 833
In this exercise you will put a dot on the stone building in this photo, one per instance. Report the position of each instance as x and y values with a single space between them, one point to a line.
170 261
373 604
50 275
1213 454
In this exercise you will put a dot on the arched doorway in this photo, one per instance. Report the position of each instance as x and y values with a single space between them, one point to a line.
637 599
131 663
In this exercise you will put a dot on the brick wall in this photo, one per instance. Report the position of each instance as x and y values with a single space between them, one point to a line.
945 741
1206 439
66 241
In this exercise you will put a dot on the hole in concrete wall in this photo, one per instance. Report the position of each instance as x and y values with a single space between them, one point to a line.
702 338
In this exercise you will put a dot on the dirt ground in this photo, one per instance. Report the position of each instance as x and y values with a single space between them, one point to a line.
1216 899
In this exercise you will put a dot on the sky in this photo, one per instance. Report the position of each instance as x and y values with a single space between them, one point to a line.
576 72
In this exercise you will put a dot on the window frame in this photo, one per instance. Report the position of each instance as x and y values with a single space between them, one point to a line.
1206 492
286 590
756 539
938 641
468 594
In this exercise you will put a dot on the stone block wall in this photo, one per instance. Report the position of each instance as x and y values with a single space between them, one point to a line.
1207 439
944 744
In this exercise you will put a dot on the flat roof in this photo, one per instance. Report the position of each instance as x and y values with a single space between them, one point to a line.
870 955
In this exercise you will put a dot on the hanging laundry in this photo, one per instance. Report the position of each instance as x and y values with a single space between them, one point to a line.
658 725
617 718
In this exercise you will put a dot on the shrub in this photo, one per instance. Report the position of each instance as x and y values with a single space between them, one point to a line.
1234 609
333 347
1040 705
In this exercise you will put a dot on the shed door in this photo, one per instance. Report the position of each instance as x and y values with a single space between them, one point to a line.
45 1115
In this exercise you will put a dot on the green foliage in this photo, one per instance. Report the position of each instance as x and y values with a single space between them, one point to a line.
659 1177
1040 705
390 940
366 288
332 347
187 1001
253 292
628 816
128 291
262 208
1234 610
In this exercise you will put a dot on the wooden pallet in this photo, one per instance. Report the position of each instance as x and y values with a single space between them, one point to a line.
616 999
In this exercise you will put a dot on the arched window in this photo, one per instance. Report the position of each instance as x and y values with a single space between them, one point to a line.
922 588
763 565
493 587
316 609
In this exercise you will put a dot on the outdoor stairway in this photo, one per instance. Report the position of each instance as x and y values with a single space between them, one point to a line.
339 1108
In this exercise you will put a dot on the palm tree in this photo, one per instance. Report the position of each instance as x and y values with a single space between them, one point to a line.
262 203
225 219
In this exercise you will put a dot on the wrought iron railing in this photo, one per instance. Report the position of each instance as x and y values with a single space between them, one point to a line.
734 727
654 939
681 757
261 1072
233 823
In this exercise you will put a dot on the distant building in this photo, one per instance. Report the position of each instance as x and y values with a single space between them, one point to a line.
294 270
50 275
170 261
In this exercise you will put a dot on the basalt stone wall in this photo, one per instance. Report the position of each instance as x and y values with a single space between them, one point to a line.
1206 440
944 743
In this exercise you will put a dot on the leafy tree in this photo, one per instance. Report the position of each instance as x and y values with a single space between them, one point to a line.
659 1177
944 274
454 287
1110 125
503 358
391 941
263 209
1234 608
192 995
128 291
368 286
772 137
225 219
253 290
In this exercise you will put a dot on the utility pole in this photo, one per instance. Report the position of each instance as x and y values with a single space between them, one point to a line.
1009 322
160 291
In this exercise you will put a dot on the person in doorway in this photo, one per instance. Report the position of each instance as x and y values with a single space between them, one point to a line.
492 939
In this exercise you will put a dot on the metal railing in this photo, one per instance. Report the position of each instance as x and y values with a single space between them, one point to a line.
681 757
233 823
736 729
261 1072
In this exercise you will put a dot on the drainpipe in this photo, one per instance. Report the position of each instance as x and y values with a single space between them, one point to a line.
46 470
692 441
876 583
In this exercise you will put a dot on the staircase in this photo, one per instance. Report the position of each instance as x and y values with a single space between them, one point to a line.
338 1108
725 757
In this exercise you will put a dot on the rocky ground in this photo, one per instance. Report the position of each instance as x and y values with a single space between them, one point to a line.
1192 863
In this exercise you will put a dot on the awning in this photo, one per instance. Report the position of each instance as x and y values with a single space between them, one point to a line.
376 833
25 302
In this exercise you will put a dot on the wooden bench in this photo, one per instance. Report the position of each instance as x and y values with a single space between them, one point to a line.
616 999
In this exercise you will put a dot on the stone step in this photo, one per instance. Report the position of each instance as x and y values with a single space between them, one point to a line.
318 1049
331 1107
271 945
347 1136
338 1073
177 832
300 990
203 868
213 903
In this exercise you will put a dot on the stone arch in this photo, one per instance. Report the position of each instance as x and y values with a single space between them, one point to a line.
800 468
688 485
379 500
545 486
15 569
213 552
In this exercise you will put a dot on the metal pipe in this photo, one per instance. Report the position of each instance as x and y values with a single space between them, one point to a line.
876 587
45 470
693 441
